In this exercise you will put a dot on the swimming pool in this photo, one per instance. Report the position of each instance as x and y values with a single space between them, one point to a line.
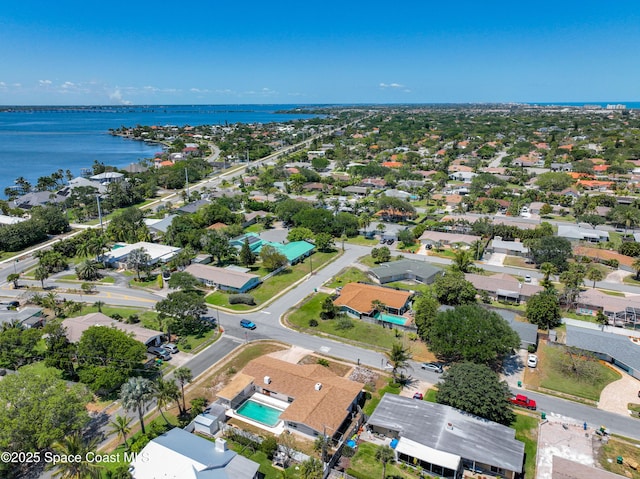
391 318
256 411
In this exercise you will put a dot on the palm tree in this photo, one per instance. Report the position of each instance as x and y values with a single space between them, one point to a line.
13 278
74 445
121 426
399 357
135 394
594 274
87 270
385 454
97 246
99 305
463 260
40 274
311 469
636 266
547 269
184 376
166 393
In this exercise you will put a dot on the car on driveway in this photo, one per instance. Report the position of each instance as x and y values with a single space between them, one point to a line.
527 279
435 367
418 396
171 347
245 323
159 352
532 360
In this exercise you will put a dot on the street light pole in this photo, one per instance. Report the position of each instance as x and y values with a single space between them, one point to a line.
99 213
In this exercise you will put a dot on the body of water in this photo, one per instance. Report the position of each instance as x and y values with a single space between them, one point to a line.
36 142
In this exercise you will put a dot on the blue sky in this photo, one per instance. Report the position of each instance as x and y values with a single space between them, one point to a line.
70 52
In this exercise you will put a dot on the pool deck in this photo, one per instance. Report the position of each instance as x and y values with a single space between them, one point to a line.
269 401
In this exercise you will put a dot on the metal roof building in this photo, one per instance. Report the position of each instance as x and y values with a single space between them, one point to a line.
179 454
444 440
614 348
405 269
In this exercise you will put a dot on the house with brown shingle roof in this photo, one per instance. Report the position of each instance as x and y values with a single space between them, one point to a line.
503 287
357 298
319 401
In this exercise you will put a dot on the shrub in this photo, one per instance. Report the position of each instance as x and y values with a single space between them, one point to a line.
313 323
343 323
348 451
269 446
242 299
323 362
531 348
116 316
139 443
197 406
133 319
614 263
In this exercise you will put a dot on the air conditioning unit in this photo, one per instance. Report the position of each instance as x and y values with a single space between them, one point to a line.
267 380
318 386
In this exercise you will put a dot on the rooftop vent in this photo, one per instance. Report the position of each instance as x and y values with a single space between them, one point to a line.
318 386
221 444
450 426
267 380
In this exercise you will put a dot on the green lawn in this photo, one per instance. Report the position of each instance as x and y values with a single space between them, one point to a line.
371 263
527 431
348 275
362 241
367 333
144 315
365 466
73 278
555 378
276 284
261 458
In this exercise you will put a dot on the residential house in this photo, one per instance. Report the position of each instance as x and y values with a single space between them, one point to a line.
564 167
511 248
27 317
357 299
252 217
314 400
226 279
118 256
356 190
194 206
603 255
405 270
578 233
373 183
78 325
315 186
616 349
503 287
448 239
403 195
445 441
159 227
108 177
38 198
180 454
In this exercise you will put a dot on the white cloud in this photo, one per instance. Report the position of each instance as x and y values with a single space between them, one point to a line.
44 83
391 85
116 97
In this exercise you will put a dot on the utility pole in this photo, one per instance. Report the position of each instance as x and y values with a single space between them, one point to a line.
100 213
186 176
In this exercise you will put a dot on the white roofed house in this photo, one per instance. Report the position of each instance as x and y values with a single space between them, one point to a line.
178 454
117 257
108 177
512 248
578 233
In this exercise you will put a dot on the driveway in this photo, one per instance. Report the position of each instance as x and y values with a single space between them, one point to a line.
496 259
616 395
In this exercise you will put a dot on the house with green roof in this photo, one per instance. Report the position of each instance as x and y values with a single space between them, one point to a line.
254 240
295 251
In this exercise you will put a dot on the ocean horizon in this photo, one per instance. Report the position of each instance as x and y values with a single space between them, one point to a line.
37 140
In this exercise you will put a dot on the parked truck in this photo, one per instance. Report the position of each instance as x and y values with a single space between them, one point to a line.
523 401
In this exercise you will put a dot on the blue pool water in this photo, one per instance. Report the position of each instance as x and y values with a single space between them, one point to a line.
391 318
267 415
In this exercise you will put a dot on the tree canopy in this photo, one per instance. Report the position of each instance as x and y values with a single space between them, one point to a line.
471 333
107 357
543 309
453 289
39 408
476 389
551 249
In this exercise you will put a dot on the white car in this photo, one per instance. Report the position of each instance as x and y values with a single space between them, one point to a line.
527 279
171 347
532 360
